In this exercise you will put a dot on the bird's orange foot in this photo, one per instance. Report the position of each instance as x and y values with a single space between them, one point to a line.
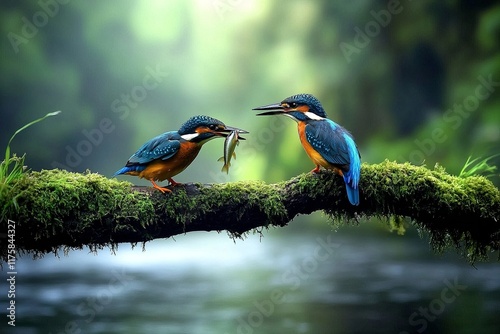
173 183
162 189
315 170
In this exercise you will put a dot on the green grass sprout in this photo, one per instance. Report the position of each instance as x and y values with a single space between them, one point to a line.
12 169
478 167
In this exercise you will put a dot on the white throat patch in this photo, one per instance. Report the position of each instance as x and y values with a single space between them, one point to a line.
190 136
313 116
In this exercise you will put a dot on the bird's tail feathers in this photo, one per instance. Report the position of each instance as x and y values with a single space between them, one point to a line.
352 194
351 178
128 169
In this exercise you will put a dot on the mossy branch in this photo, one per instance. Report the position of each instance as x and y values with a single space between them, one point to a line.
63 210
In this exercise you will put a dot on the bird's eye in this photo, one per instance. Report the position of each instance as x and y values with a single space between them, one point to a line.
293 105
212 126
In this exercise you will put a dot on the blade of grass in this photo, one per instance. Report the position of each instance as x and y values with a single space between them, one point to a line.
4 167
30 124
477 166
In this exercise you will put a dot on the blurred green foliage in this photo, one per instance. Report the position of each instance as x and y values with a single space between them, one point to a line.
413 81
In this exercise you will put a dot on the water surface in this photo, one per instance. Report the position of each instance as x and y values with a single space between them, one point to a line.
355 280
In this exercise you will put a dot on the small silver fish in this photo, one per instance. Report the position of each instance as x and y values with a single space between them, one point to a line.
229 145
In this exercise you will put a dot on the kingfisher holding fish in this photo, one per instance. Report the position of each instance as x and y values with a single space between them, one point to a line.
326 143
230 143
168 154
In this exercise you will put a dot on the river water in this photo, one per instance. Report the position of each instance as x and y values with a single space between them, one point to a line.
287 280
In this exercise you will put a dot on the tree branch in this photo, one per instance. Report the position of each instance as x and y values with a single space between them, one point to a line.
59 209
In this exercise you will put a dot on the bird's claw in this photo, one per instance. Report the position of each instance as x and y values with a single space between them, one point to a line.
315 170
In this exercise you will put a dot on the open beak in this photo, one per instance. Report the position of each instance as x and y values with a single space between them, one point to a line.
228 129
274 109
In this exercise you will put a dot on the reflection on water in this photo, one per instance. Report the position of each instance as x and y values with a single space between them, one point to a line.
348 281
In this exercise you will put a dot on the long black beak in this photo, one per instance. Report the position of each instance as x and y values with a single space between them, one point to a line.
228 129
274 109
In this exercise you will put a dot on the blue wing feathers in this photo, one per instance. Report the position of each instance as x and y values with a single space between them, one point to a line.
162 147
327 138
336 145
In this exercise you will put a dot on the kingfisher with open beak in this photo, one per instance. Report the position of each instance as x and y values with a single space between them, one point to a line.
326 143
168 154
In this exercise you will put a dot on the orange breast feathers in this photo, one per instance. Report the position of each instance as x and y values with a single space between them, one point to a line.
160 170
311 152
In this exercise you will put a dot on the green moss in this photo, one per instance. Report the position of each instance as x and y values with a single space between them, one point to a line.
397 224
57 202
72 209
437 202
239 198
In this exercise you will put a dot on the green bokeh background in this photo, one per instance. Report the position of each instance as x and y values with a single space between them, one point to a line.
406 78
391 85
